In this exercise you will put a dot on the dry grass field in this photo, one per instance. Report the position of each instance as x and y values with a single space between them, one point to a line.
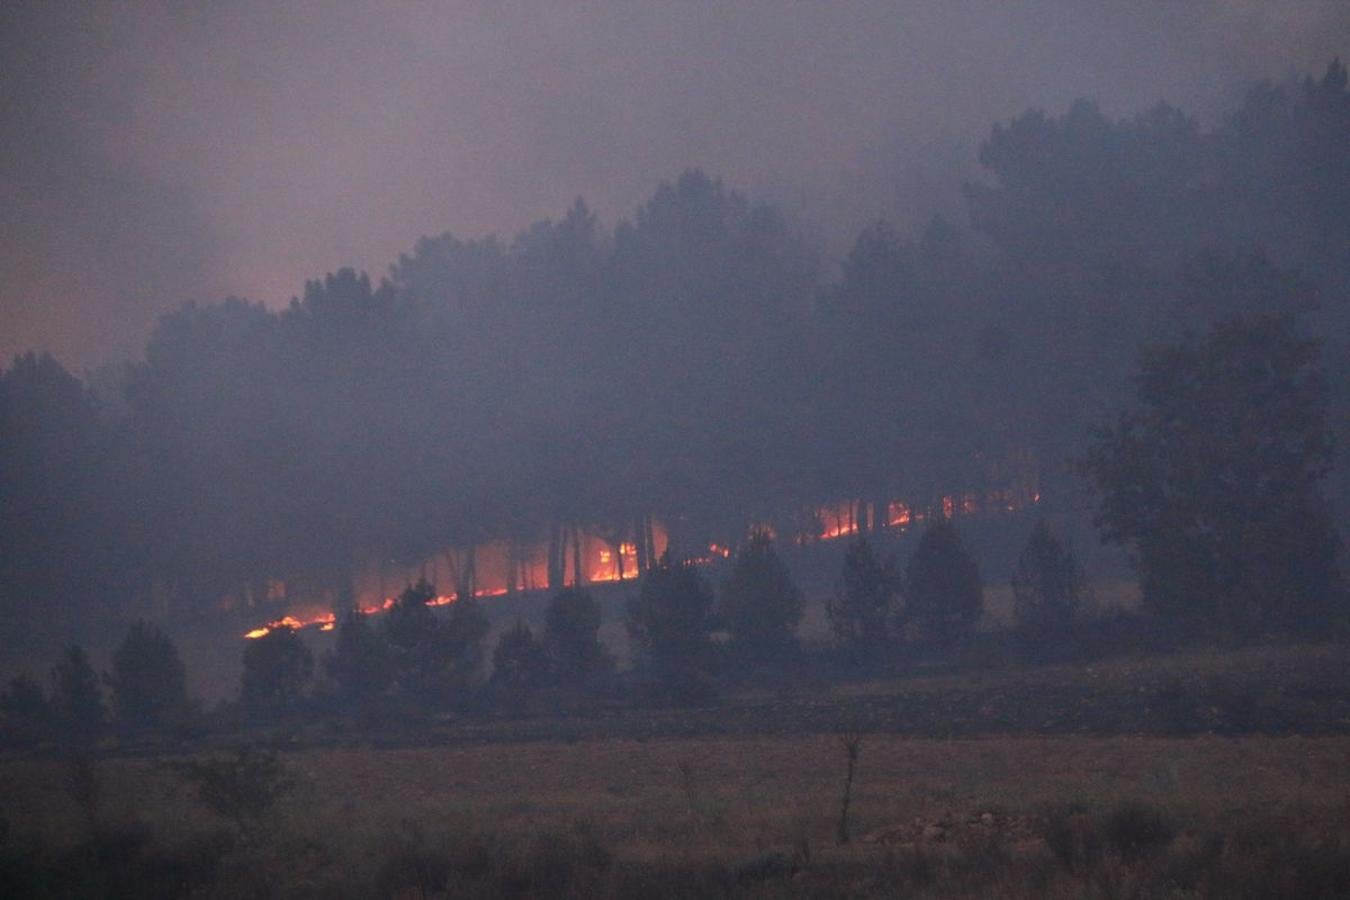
732 807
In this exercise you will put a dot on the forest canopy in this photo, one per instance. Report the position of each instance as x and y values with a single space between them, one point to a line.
697 361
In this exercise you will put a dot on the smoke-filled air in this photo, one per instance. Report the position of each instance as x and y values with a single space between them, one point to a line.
612 450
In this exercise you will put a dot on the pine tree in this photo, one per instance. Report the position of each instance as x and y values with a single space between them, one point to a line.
944 595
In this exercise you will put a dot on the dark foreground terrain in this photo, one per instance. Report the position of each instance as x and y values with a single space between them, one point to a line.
1214 775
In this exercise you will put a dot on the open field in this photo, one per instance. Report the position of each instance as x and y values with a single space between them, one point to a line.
744 798
701 812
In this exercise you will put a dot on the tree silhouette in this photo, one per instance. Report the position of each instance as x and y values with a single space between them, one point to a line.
1049 590
692 366
461 643
944 594
670 619
361 664
863 606
410 623
277 669
76 701
148 679
519 662
761 604
1214 482
571 638
59 540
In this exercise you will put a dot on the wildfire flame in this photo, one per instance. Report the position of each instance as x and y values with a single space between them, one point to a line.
327 621
608 563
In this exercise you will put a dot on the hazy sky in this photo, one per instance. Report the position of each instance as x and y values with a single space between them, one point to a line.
162 151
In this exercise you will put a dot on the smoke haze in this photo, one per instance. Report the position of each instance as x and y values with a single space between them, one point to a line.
167 152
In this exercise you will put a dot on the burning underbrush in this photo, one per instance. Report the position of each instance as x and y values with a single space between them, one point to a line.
580 557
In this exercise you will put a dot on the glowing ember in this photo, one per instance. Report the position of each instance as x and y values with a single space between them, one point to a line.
327 621
500 567
836 521
290 622
898 515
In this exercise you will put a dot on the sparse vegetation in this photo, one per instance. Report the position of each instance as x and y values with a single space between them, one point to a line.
752 816
851 742
242 786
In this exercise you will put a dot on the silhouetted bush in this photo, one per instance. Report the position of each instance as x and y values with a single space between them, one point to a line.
277 668
1049 592
242 786
672 683
519 662
461 642
571 639
761 605
863 605
409 622
361 664
1072 836
944 595
671 616
435 659
148 679
76 702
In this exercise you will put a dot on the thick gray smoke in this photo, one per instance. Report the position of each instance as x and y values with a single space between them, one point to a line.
170 152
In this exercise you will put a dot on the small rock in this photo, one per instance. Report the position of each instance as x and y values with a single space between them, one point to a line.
987 820
934 833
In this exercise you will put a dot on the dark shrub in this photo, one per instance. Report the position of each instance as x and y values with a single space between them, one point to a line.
1137 831
571 638
361 664
761 605
863 605
1049 592
277 668
1072 836
409 622
519 662
241 786
148 679
671 616
76 701
944 594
